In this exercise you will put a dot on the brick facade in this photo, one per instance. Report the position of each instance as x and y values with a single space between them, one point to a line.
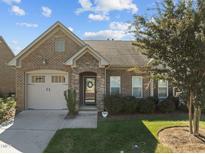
87 63
55 61
34 61
126 81
7 74
42 56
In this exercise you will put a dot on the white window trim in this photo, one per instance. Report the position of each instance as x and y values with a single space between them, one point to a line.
34 82
151 87
138 87
167 86
174 92
120 84
61 81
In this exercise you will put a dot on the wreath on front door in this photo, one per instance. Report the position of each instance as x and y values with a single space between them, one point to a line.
89 84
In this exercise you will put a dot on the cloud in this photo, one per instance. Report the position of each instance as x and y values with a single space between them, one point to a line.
98 17
10 2
46 11
17 10
104 34
86 5
123 26
116 5
116 31
14 8
70 28
15 46
104 7
25 24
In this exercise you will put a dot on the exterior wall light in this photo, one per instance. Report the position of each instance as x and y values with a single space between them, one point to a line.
44 61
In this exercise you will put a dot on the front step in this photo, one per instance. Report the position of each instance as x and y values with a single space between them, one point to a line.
88 108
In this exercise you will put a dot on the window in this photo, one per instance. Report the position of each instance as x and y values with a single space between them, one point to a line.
162 88
137 86
58 79
38 79
114 85
59 45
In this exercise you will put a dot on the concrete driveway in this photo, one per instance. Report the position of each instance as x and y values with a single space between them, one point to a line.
33 129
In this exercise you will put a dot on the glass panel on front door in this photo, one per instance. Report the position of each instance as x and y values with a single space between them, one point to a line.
89 93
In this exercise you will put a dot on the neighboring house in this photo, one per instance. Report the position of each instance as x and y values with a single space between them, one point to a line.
7 74
58 60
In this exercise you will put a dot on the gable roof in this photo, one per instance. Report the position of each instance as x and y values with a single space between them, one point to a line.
4 42
119 53
57 24
112 52
87 49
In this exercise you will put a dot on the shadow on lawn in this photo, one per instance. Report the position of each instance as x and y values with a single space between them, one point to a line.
176 116
110 136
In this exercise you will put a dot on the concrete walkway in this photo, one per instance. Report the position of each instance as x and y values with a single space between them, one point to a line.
33 129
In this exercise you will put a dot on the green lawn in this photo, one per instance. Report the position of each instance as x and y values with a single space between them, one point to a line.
117 134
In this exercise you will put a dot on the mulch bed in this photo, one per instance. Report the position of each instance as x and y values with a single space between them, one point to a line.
178 139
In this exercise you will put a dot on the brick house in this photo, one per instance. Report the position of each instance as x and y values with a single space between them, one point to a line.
58 60
7 74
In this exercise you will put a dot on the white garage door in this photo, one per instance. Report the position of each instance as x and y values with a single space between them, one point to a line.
46 90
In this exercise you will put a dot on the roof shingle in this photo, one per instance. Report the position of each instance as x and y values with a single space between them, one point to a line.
119 53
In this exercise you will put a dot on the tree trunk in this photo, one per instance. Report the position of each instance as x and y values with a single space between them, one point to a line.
197 114
190 100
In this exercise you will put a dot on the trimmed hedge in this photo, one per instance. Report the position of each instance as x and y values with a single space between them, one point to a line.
7 109
113 104
129 104
182 107
121 104
168 105
148 105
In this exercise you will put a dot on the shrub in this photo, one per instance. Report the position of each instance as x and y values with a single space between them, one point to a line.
70 96
148 105
7 109
114 104
174 99
131 104
182 107
167 105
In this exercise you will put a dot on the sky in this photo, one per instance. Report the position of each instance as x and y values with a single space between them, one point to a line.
22 21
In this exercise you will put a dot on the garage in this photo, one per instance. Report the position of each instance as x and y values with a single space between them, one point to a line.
45 89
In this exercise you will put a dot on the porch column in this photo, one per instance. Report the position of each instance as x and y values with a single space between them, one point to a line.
75 85
100 89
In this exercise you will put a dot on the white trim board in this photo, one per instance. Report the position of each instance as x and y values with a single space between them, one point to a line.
87 49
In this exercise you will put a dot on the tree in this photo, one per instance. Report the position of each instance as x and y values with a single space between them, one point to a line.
175 40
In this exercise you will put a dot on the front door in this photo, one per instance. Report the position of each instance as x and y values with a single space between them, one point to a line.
89 90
